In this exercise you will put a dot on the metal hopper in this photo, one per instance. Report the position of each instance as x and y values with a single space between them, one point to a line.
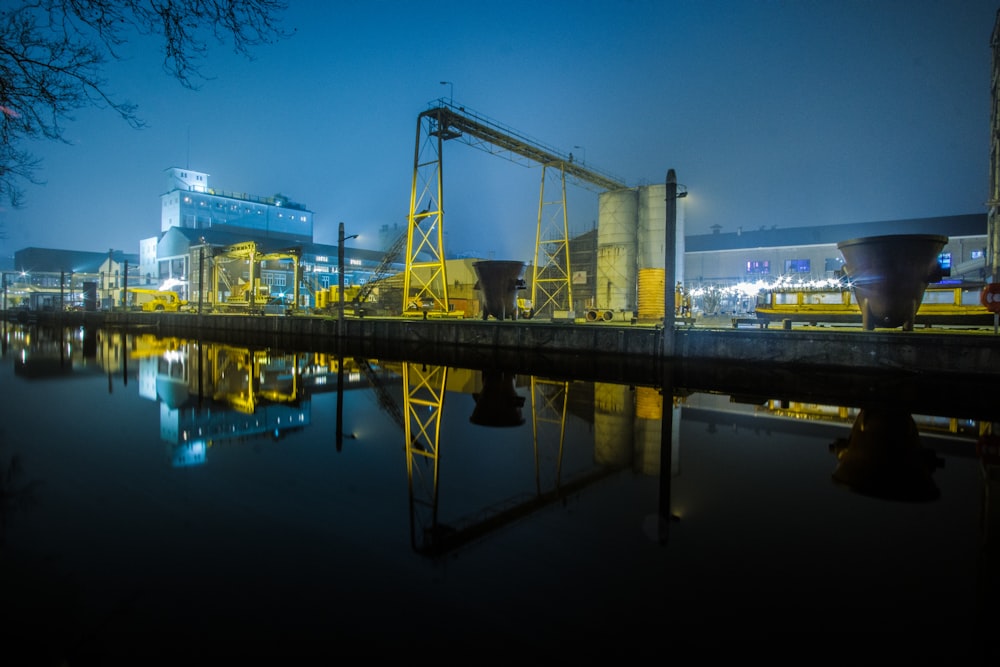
499 282
889 275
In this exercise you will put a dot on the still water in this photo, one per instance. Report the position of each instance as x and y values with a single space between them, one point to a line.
167 497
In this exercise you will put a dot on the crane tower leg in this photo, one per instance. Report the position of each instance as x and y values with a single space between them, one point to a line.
424 388
549 400
551 286
425 283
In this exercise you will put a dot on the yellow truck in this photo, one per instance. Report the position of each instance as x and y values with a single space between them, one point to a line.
153 300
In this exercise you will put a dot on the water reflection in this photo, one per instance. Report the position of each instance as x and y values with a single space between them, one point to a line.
882 457
592 509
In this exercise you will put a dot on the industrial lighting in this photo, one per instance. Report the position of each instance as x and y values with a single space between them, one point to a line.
451 94
340 275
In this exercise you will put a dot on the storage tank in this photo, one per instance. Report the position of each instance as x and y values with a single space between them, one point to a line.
651 225
889 275
650 292
651 257
499 281
648 426
613 424
617 220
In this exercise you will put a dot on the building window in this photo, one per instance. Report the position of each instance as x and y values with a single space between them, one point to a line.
758 267
796 266
274 278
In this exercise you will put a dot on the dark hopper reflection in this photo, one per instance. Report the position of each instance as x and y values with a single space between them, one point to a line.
882 457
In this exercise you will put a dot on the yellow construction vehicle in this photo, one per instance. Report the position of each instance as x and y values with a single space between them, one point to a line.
241 294
153 300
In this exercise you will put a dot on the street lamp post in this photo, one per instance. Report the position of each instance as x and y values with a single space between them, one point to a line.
340 275
201 273
670 261
451 93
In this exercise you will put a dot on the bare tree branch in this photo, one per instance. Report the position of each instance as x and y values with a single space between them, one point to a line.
53 54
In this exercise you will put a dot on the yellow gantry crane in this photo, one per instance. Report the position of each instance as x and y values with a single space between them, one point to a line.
549 399
424 388
250 294
425 283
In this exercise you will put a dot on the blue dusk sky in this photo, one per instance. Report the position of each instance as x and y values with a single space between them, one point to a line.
773 113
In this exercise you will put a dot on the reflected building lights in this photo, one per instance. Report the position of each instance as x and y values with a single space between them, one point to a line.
213 395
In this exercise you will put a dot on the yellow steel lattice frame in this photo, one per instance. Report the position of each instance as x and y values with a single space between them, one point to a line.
551 285
234 377
549 400
424 388
425 282
253 255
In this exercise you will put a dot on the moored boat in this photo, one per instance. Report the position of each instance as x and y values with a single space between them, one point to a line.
943 304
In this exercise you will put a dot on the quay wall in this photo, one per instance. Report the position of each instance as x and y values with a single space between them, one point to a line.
922 351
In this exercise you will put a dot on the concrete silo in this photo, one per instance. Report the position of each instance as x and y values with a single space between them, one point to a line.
616 253
650 255
631 243
614 416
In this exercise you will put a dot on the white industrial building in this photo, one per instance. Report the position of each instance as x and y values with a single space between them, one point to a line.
190 203
629 257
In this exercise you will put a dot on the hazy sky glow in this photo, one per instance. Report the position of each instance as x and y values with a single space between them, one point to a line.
772 113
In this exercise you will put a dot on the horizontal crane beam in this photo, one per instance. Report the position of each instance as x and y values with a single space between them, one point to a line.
460 123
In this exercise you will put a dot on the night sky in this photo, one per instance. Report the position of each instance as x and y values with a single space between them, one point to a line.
774 113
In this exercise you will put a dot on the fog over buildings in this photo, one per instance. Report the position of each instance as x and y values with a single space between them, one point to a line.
773 114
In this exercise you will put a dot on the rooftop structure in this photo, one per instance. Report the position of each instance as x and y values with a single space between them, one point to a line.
190 203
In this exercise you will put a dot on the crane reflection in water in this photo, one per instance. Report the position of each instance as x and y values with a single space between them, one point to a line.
530 444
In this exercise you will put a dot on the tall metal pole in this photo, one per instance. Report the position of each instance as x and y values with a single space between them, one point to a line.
201 276
993 203
340 276
340 280
340 401
669 264
665 510
107 294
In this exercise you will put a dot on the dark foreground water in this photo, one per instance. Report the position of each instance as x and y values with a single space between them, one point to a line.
170 500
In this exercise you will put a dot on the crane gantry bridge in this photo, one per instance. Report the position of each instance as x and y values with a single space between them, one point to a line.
425 279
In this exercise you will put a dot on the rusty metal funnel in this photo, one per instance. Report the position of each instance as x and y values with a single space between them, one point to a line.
499 282
889 275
